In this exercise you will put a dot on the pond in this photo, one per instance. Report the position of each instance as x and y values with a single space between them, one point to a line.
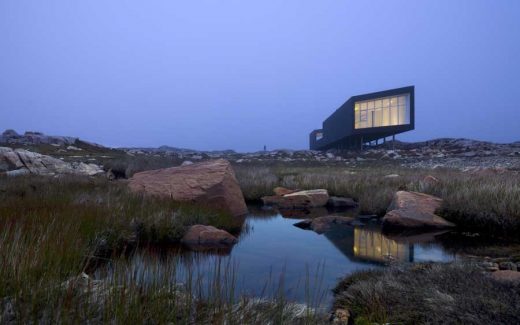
273 256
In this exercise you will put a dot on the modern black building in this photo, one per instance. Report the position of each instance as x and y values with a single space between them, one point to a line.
367 118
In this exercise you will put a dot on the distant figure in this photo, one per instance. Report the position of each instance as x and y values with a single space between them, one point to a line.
265 147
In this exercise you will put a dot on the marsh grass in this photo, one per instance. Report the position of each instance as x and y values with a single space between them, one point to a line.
487 202
52 229
454 293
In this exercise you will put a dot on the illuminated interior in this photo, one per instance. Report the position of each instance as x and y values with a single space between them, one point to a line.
386 111
373 246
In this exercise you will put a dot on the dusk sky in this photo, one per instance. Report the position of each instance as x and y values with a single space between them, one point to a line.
241 74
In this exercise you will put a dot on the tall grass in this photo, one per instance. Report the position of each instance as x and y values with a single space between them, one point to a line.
53 229
485 202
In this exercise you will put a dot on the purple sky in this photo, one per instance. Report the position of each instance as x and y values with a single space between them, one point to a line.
241 74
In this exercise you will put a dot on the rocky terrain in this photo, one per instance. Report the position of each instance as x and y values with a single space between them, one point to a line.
463 154
15 162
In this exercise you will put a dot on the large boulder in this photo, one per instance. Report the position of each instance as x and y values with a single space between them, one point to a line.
414 210
323 224
210 183
207 236
299 200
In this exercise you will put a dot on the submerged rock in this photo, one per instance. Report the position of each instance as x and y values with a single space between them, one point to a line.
414 210
210 183
207 236
323 224
341 202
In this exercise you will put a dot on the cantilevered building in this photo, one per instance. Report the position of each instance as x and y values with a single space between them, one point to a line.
366 118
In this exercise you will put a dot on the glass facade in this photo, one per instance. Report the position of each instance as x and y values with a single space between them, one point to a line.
387 111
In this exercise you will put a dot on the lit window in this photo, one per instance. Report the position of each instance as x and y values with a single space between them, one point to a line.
381 112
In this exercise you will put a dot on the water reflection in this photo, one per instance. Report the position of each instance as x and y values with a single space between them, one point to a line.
269 246
374 246
369 245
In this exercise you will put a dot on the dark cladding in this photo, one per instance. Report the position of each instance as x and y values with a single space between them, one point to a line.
366 118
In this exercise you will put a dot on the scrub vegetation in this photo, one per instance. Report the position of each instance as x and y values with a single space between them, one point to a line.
428 294
485 202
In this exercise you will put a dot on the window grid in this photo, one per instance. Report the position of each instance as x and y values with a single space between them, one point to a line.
381 112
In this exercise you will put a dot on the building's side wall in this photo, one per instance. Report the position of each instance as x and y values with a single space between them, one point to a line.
315 143
339 125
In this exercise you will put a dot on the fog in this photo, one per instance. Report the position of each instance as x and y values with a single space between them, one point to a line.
244 74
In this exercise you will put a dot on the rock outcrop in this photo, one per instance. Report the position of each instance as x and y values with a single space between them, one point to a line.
414 210
323 224
299 200
199 236
211 183
15 162
35 138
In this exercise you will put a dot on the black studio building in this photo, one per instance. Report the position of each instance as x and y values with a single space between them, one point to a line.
366 119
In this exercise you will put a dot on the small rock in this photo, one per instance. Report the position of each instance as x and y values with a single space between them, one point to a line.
340 316
186 163
391 176
431 180
110 175
324 224
506 276
367 217
281 191
341 202
299 200
208 236
17 172
507 266
357 223
489 266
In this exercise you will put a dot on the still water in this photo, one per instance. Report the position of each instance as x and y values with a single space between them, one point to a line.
273 255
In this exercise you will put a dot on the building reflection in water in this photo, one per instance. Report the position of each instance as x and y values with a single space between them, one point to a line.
372 245
367 244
